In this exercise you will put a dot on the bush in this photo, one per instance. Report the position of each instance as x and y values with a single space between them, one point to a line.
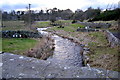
74 21
107 15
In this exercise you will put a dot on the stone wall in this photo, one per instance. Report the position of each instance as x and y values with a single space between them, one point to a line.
112 39
20 34
95 25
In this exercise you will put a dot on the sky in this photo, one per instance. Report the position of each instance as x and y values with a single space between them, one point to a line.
8 5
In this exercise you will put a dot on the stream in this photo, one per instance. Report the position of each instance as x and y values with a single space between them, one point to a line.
65 63
66 53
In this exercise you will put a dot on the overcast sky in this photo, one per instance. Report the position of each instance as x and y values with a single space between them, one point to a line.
8 5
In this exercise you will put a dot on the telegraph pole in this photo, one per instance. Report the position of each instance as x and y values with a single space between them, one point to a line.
29 7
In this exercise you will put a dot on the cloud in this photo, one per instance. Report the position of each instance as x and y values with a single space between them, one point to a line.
61 4
10 7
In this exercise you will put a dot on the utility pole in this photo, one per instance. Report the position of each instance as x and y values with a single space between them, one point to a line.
29 7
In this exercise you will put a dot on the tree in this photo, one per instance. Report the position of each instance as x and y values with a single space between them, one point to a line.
78 15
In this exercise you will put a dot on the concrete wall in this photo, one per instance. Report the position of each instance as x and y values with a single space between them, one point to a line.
112 39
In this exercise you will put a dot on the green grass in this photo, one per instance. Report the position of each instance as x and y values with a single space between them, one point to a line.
42 24
100 46
100 42
92 44
69 28
63 21
66 28
99 36
17 45
77 25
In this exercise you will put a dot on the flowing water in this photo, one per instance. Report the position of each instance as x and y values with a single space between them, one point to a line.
66 53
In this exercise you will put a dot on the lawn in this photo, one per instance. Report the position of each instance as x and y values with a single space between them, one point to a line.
17 45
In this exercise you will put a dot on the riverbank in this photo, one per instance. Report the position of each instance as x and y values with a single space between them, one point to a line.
100 55
43 49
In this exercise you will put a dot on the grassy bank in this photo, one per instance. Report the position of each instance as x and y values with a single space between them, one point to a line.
17 45
101 54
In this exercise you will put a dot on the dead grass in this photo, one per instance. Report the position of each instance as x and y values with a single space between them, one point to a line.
42 50
16 25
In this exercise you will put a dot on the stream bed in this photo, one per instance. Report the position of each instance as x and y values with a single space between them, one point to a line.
66 53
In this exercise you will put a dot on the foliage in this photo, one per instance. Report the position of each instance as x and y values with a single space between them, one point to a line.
55 14
74 21
108 15
53 19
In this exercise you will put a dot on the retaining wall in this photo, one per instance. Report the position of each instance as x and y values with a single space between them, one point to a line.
112 39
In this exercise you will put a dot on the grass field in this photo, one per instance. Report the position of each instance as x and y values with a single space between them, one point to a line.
41 24
17 45
15 25
69 28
